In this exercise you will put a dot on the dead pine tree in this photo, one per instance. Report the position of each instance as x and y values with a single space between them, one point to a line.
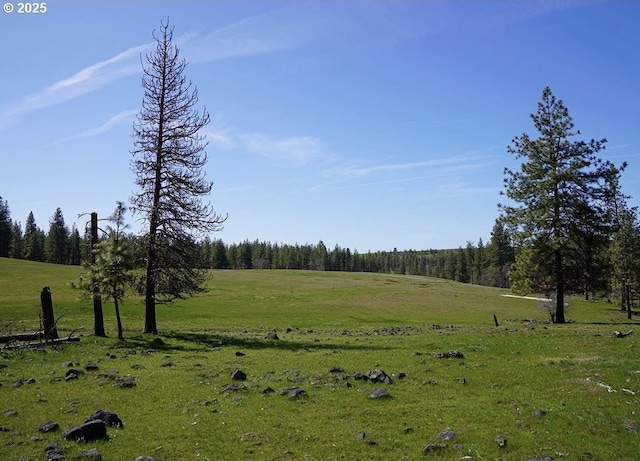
168 161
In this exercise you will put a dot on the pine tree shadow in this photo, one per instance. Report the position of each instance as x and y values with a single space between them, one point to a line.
240 340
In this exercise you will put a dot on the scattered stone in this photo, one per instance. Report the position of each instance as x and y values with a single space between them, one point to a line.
158 341
146 458
53 452
49 426
336 370
10 413
447 435
348 385
621 334
272 335
543 458
111 376
234 387
67 364
72 374
400 375
240 354
371 443
296 393
109 418
501 441
137 366
147 352
433 447
630 426
453 354
89 455
379 393
130 352
379 376
126 383
361 435
90 366
462 381
23 381
538 413
91 430
360 376
288 330
268 390
4 429
407 430
36 438
239 375
167 364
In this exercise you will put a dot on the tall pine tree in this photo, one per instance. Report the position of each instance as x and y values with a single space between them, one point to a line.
560 198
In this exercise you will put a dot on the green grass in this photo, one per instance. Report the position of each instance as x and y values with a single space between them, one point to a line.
355 321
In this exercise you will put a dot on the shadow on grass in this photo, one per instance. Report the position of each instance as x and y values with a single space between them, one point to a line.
225 340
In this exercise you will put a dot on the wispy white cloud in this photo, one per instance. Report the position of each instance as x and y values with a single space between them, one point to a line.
455 163
294 151
259 34
276 30
126 116
82 82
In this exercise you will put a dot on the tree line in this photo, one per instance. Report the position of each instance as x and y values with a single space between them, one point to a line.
475 263
58 245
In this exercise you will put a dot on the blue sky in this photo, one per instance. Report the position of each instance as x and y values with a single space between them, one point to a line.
371 125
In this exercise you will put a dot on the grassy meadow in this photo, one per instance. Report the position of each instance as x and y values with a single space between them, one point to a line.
540 386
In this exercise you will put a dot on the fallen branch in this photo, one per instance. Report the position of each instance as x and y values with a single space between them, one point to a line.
51 342
22 337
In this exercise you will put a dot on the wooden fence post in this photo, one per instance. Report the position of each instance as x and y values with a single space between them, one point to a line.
48 320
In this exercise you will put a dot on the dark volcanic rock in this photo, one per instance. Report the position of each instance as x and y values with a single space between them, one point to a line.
296 393
89 455
272 335
336 370
234 387
379 393
91 430
239 375
379 376
125 383
73 373
49 426
90 366
450 354
433 447
447 435
146 458
109 418
501 441
53 452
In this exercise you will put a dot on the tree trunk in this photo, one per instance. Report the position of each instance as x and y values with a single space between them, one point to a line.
120 336
559 317
48 319
98 318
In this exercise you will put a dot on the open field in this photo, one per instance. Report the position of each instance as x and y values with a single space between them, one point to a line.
539 386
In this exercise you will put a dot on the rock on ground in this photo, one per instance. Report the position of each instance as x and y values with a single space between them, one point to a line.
91 430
